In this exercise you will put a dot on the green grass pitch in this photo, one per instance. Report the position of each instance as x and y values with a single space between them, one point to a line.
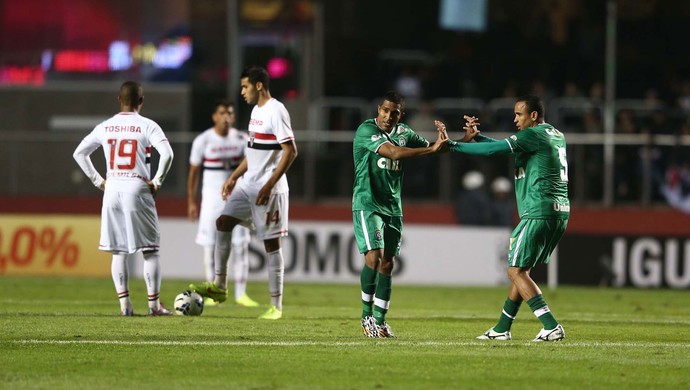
60 333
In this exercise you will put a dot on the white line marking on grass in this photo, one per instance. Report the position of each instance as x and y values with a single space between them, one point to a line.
564 344
573 317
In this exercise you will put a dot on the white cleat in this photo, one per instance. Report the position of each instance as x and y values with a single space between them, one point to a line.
555 334
492 335
384 330
369 327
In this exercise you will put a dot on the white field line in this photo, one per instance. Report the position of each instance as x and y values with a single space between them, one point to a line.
491 344
577 317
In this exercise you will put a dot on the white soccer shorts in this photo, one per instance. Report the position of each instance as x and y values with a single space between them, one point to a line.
270 221
211 207
129 223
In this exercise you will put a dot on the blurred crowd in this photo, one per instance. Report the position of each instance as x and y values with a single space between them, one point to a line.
546 41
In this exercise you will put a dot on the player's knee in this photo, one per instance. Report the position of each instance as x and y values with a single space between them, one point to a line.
517 272
387 265
225 223
373 258
272 245
150 255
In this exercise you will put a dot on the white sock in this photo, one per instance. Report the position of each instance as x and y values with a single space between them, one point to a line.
118 269
240 265
276 269
152 276
222 254
208 263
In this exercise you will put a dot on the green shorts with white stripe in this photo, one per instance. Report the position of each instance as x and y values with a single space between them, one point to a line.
533 240
377 231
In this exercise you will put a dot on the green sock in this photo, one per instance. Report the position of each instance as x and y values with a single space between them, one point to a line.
510 309
542 311
383 298
368 283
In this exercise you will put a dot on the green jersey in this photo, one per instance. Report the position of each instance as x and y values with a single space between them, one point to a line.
541 169
378 180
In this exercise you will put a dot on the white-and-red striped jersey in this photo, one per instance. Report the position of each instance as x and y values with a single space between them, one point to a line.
127 139
218 155
269 126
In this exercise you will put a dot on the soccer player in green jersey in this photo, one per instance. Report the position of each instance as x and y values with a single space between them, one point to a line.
541 189
378 148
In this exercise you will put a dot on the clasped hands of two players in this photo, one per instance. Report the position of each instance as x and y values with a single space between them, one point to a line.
470 128
441 143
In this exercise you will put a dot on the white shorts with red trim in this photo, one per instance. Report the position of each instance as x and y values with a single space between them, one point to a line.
129 223
269 221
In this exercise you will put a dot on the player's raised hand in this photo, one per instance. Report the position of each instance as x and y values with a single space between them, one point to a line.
440 126
442 138
471 120
470 128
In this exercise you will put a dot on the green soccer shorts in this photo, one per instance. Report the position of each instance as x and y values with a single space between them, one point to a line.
377 231
533 240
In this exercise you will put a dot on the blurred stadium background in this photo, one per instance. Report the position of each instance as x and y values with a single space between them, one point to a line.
615 76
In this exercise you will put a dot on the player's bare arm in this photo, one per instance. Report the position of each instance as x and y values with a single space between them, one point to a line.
164 163
229 184
192 192
289 155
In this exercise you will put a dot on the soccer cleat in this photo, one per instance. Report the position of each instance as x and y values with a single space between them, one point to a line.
245 301
491 334
162 311
555 334
369 327
209 290
271 314
384 330
210 302
128 312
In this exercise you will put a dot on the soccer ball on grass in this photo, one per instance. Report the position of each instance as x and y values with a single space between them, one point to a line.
189 303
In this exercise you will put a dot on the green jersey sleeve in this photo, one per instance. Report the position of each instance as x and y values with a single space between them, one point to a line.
482 148
369 137
527 140
482 138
